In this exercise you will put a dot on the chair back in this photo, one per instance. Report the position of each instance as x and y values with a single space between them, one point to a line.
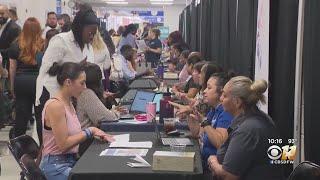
30 168
23 144
306 170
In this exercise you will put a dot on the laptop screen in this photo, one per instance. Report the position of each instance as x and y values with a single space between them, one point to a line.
157 99
140 101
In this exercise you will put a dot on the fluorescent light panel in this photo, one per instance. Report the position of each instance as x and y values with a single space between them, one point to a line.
161 0
161 3
116 2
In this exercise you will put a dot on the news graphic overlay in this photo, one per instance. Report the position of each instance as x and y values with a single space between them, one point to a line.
282 152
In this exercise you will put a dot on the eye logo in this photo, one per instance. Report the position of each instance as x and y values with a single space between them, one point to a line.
274 152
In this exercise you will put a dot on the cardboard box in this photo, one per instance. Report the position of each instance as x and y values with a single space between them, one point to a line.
170 75
173 161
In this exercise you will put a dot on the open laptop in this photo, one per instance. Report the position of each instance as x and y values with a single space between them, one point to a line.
139 103
171 141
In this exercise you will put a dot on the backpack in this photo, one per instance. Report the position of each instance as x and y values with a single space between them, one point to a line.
116 73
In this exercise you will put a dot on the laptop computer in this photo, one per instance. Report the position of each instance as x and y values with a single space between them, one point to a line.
139 103
171 141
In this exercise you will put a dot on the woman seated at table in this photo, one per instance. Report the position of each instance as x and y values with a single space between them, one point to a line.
91 109
182 66
206 71
189 88
123 68
212 129
91 104
244 154
61 128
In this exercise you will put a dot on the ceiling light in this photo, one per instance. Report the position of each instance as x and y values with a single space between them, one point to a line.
161 3
115 2
160 0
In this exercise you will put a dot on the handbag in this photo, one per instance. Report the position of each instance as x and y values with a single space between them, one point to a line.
116 73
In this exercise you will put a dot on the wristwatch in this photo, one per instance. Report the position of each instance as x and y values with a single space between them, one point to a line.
205 123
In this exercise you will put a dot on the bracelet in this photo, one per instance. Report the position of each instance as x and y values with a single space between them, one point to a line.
88 133
205 123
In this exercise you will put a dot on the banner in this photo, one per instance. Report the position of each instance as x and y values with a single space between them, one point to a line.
262 46
58 7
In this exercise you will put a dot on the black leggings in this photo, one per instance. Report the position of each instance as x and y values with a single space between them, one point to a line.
38 112
25 91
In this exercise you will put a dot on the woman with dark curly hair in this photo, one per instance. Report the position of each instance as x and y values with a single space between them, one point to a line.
128 36
73 46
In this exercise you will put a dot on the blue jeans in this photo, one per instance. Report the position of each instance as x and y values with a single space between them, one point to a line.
57 167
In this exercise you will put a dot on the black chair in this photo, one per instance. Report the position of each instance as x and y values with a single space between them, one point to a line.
21 145
305 170
30 168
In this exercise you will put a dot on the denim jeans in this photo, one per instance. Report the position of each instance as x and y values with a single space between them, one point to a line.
57 167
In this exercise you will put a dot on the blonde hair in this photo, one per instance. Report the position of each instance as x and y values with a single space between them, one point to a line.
98 43
249 92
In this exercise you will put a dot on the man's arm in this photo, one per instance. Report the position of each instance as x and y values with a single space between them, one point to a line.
218 171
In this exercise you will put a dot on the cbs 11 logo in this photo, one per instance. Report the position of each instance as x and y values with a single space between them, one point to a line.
285 153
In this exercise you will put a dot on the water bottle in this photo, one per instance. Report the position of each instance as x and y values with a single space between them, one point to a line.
166 109
160 70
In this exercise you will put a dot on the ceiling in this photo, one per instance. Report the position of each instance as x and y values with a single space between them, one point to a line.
131 3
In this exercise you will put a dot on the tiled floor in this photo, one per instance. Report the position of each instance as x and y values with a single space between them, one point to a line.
9 167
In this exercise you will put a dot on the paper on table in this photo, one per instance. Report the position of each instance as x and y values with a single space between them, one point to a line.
141 45
124 152
133 122
122 137
142 162
122 144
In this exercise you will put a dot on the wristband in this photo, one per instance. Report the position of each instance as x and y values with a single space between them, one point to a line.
88 133
205 123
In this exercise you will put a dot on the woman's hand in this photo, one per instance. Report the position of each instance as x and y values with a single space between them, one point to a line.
181 109
175 90
122 110
107 94
196 116
147 49
101 134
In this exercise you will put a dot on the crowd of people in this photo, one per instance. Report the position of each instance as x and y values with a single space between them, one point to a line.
71 71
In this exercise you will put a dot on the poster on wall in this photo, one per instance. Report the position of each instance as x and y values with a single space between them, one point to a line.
262 46
58 6
164 32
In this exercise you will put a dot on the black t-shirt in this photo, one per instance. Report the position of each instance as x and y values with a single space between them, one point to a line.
151 56
191 84
244 153
14 53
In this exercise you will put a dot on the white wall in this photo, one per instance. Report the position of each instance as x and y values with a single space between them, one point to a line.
171 16
35 8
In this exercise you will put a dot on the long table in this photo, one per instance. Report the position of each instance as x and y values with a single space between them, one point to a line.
122 126
91 166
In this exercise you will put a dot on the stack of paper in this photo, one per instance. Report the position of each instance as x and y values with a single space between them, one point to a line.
132 121
121 144
124 152
141 162
121 138
122 141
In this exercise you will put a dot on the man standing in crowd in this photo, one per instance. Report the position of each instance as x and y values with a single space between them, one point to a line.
13 16
9 31
64 22
52 23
